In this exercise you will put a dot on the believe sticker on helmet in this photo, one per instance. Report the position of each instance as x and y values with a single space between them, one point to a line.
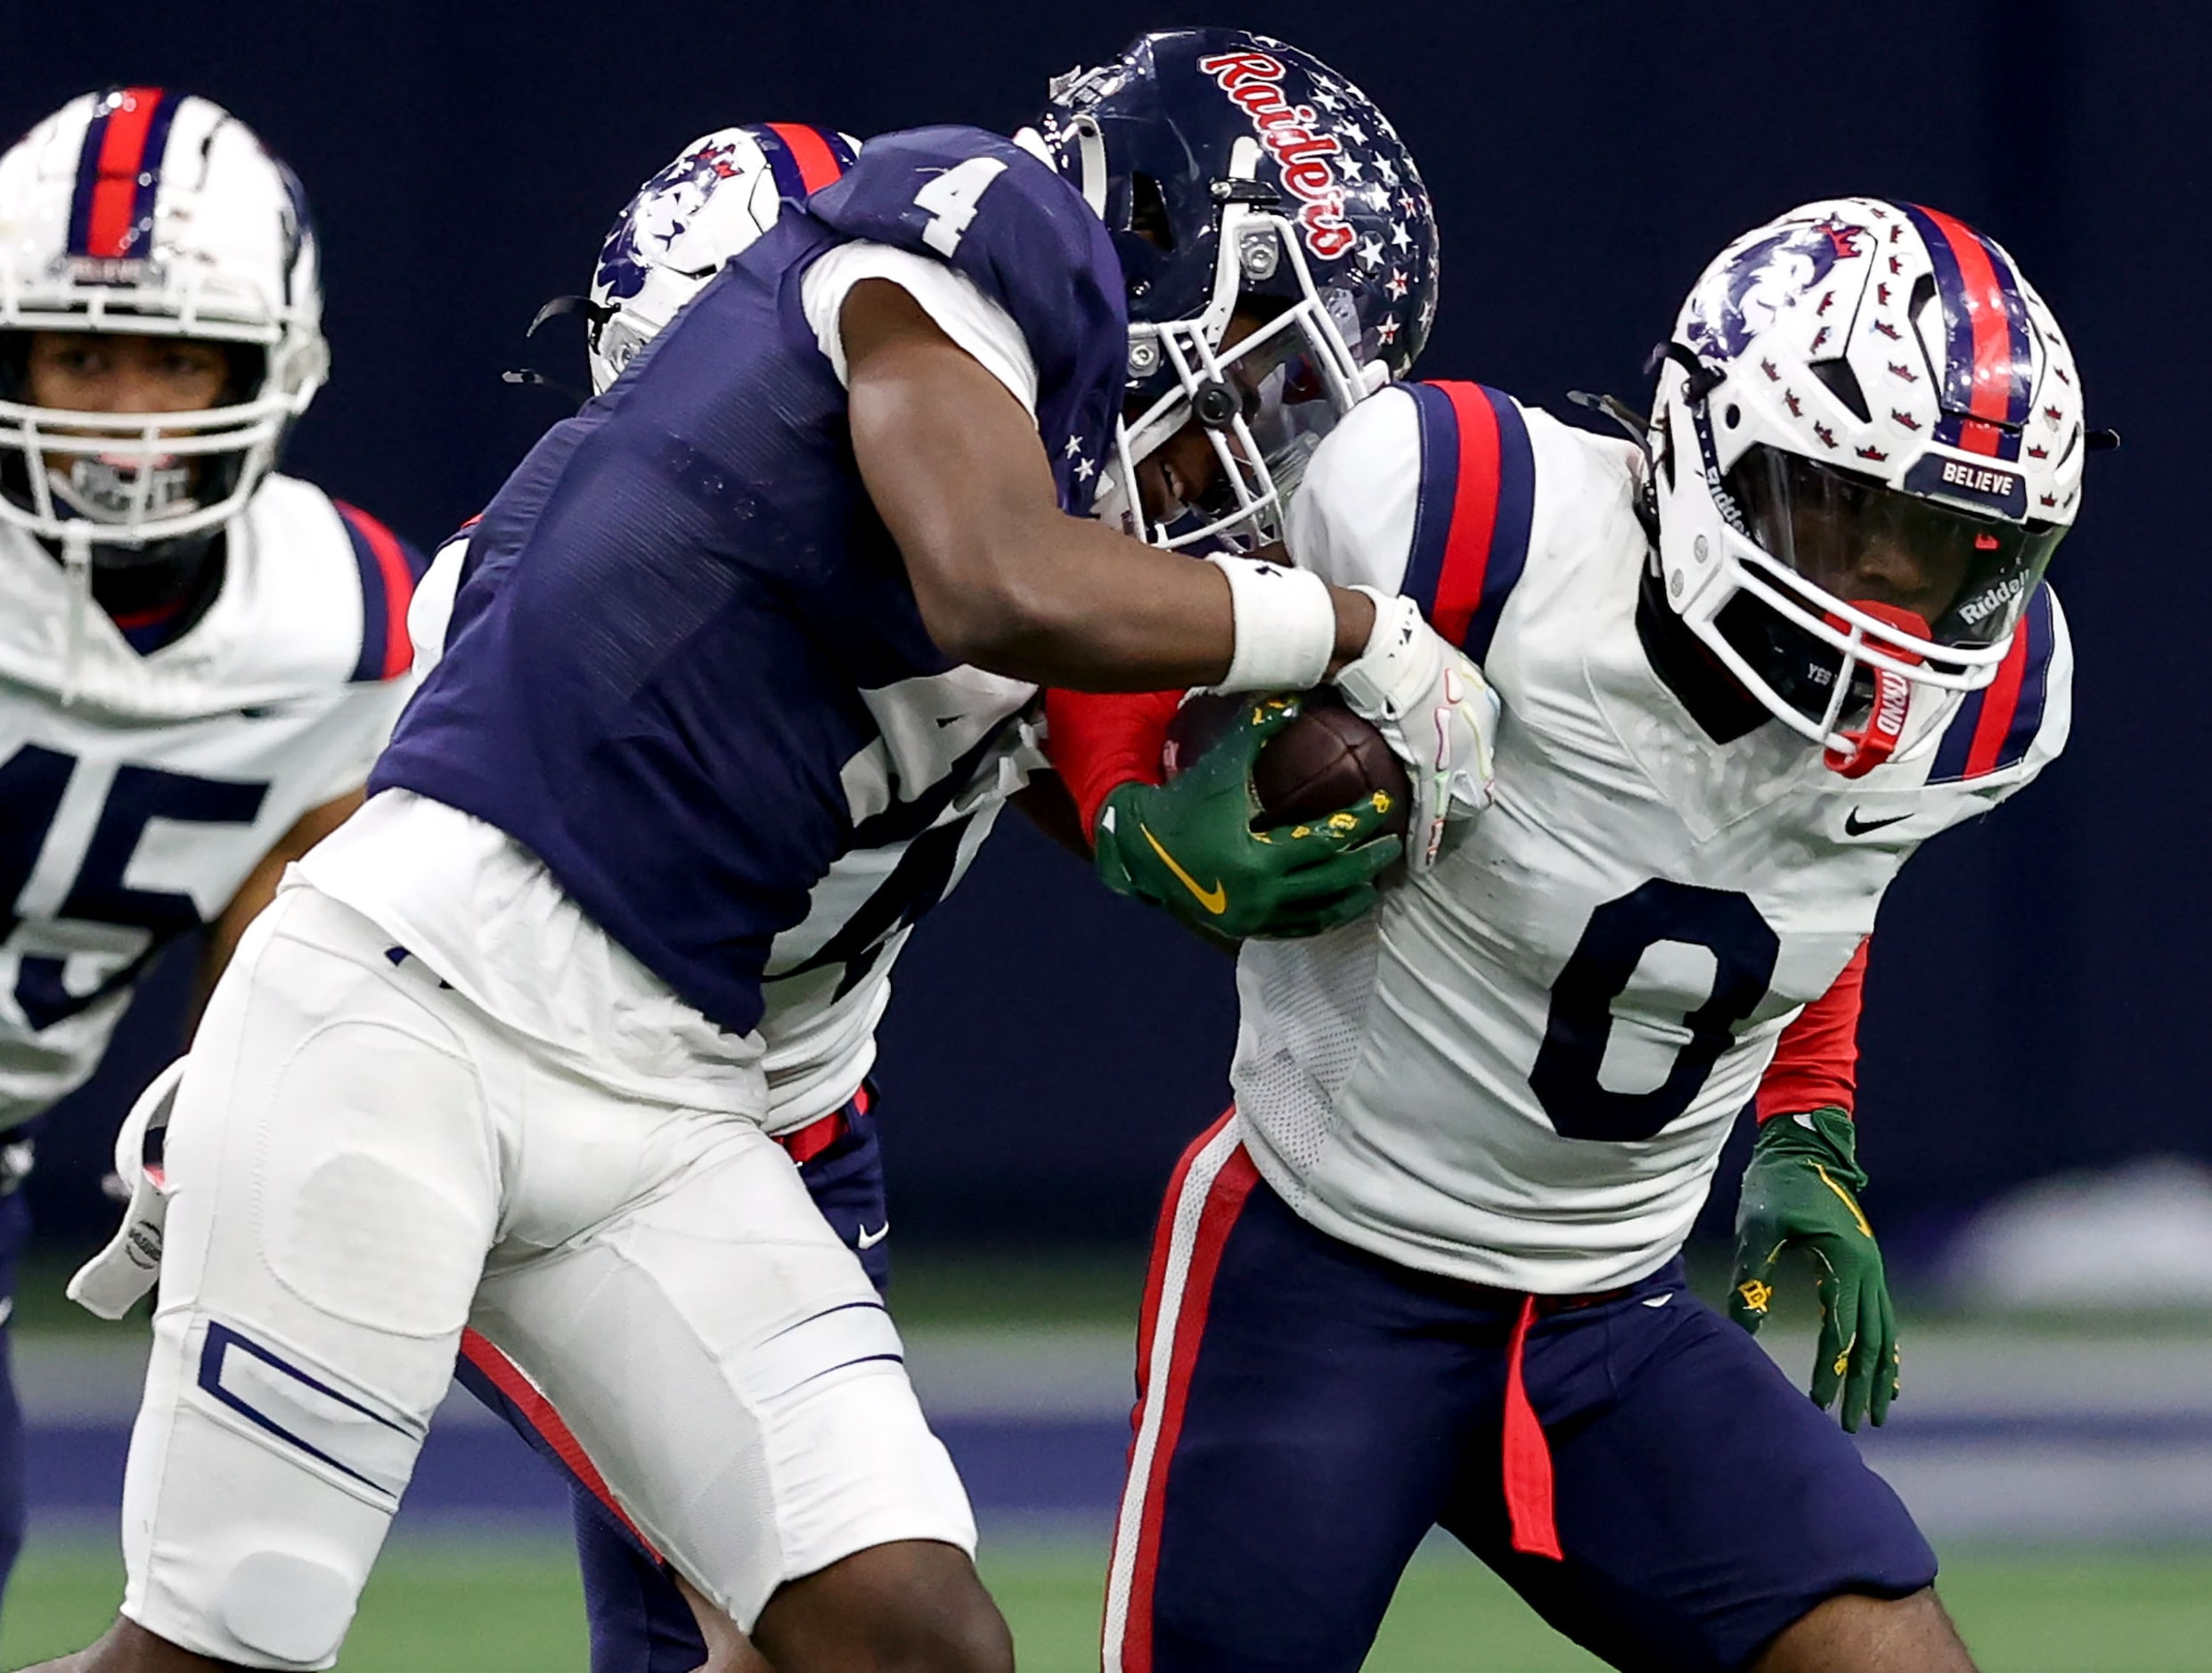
1984 487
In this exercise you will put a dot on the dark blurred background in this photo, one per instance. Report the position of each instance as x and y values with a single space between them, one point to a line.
2034 1003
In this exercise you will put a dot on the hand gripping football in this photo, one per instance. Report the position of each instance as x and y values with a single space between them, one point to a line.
1327 758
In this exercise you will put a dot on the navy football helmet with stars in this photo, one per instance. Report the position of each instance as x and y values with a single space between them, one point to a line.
1279 250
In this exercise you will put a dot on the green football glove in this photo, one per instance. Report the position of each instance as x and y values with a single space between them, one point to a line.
1801 1192
1188 844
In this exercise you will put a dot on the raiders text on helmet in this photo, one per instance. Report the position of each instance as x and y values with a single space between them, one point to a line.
1238 175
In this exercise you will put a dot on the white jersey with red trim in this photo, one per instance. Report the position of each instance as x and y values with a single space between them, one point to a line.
138 792
1519 1070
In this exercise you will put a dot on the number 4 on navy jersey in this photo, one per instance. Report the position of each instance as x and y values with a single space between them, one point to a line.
951 200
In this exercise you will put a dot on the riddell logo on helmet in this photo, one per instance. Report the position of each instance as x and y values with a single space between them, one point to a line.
1975 610
1253 81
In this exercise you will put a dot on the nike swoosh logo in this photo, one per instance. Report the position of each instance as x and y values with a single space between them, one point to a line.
869 1239
1853 826
1215 900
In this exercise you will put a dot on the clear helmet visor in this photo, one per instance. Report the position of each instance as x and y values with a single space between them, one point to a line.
1850 597
1966 575
1262 414
1290 401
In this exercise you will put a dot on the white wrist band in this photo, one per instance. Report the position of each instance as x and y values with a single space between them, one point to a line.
1286 626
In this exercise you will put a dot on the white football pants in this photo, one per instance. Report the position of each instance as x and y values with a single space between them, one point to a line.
362 1163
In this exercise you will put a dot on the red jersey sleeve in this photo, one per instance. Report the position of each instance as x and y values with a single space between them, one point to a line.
1815 1064
1100 741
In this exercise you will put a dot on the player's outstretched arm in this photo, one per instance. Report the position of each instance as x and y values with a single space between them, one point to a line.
1800 1193
1004 578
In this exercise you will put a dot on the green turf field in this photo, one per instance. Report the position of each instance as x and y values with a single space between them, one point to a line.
513 1607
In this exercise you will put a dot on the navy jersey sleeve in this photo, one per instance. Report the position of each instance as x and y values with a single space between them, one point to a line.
1025 237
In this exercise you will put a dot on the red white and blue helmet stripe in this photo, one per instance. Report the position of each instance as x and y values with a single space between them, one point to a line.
119 173
804 159
1988 372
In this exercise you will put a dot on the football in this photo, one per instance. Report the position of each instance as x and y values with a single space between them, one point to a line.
1327 759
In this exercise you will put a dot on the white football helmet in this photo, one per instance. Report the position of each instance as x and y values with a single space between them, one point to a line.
1857 376
160 213
722 191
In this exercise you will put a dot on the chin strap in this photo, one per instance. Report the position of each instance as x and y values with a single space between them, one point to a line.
1877 740
77 571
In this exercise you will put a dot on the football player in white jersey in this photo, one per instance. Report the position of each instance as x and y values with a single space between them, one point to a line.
199 658
1427 1273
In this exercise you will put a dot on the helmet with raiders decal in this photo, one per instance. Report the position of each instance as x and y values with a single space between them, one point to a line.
153 214
1869 438
1245 181
720 193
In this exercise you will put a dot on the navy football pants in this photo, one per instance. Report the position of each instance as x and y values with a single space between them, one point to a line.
639 1621
1308 1412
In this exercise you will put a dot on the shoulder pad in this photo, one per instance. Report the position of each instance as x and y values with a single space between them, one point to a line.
389 567
1024 238
1351 519
882 194
1478 497
1997 727
983 205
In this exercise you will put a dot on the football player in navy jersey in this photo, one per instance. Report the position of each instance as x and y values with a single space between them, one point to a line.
709 203
719 194
199 657
738 672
